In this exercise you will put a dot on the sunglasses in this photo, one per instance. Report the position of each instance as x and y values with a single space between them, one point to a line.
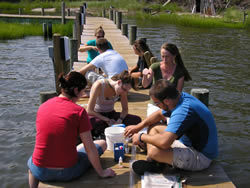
99 37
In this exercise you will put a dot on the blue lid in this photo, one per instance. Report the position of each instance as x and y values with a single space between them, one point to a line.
118 125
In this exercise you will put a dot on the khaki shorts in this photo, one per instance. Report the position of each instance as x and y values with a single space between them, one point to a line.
188 158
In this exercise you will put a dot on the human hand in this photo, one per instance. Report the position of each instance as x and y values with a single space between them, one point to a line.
118 121
111 122
135 139
95 48
145 72
130 130
108 173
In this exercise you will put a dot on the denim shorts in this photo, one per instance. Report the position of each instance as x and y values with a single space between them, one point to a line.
66 174
188 158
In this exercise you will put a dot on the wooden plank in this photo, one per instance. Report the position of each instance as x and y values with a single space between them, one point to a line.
138 100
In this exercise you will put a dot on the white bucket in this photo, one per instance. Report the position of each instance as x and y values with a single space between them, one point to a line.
114 135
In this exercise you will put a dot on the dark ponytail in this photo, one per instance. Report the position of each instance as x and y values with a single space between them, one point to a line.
71 81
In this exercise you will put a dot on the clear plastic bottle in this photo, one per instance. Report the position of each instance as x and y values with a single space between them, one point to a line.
120 162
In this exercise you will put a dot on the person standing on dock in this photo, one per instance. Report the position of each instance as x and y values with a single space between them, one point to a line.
90 46
109 61
103 95
189 141
59 122
170 68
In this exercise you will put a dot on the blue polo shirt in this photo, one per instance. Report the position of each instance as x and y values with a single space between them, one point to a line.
194 125
92 53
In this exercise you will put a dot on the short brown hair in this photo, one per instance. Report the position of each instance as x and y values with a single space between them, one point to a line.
163 89
102 44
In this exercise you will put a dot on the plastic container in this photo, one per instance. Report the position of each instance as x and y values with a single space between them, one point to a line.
118 151
114 135
118 125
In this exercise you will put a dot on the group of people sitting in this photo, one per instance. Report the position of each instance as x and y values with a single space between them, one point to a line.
179 130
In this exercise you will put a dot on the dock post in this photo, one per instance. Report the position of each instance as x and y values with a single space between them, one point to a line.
63 12
45 30
103 13
118 19
50 35
132 34
58 62
202 94
42 11
74 30
45 95
124 27
111 14
73 52
114 16
68 12
20 11
78 28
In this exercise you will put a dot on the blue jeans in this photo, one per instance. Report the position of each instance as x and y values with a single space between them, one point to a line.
66 174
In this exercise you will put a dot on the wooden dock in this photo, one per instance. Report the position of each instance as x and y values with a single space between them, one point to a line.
138 100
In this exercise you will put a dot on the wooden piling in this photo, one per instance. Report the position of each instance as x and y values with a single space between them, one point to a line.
58 68
78 28
103 13
73 52
19 11
124 28
114 16
68 12
118 19
111 14
45 30
45 95
132 34
63 12
202 94
50 34
42 11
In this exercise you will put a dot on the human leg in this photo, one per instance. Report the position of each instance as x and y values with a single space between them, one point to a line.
155 153
33 182
98 127
188 158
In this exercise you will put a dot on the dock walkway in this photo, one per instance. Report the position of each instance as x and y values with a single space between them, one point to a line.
138 100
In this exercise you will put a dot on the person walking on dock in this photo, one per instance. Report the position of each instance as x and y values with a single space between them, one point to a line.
59 122
90 46
109 61
188 142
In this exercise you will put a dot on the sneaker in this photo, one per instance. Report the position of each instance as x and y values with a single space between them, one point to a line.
141 166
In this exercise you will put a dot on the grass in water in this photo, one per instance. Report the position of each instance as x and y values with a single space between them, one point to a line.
18 30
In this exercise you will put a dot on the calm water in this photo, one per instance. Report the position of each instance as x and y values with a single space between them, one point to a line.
216 59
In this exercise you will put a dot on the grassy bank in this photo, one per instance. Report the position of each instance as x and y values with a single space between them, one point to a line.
18 30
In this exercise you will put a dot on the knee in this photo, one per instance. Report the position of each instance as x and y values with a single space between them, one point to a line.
102 144
153 152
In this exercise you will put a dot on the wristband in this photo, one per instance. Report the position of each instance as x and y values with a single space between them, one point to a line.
140 137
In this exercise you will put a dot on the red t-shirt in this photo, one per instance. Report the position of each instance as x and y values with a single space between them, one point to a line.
58 124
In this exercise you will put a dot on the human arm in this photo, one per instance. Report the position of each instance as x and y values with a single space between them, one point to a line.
87 47
150 120
93 156
147 77
95 92
124 105
180 84
133 69
86 68
162 140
